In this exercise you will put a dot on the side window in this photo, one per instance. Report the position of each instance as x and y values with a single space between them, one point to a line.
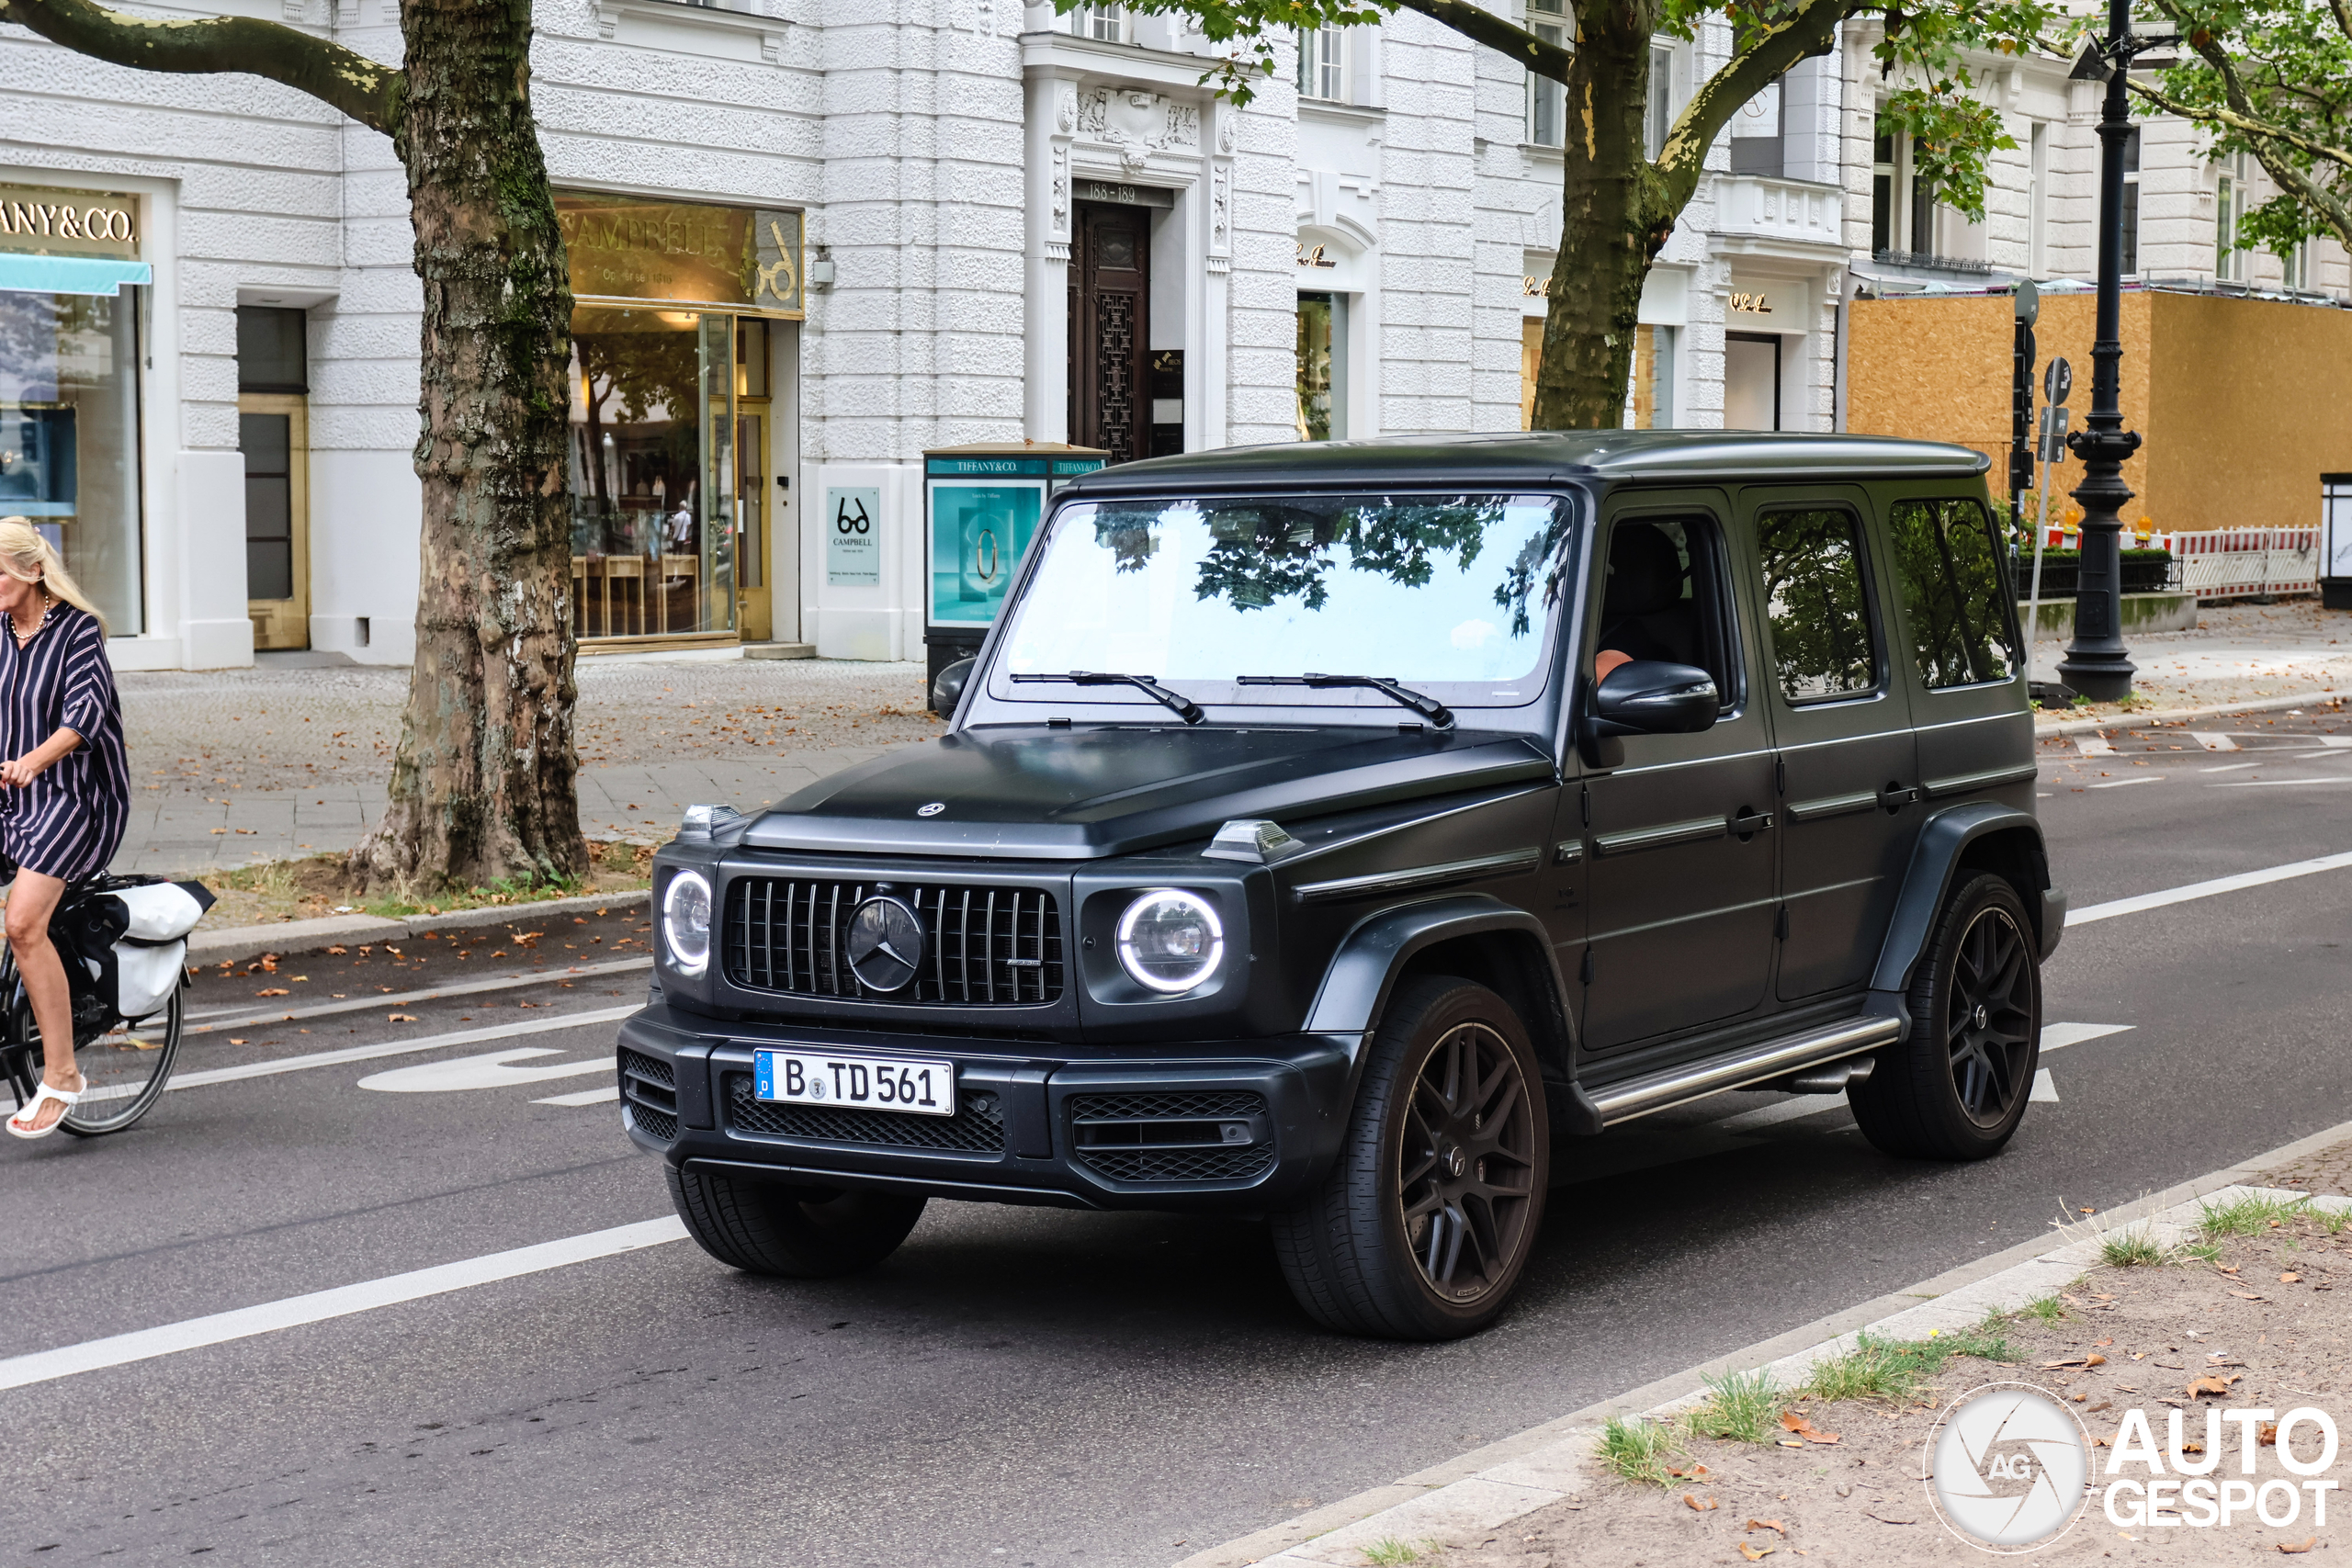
1665 600
1817 603
1952 590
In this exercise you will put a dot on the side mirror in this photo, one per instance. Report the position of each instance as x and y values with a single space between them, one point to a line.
948 690
1651 697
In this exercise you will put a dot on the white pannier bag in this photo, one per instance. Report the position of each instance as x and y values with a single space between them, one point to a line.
150 959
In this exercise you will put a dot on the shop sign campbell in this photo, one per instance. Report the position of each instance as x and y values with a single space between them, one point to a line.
2009 1468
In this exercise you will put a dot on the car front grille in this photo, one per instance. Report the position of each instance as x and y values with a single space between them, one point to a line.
1172 1135
983 946
650 1089
977 1128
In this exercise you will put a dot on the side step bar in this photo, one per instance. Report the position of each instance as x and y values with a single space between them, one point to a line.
1665 1089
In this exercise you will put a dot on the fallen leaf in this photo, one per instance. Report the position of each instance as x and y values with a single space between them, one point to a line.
1693 1474
2289 1279
2139 1355
338 950
2093 1360
2103 1343
2295 1548
274 991
1754 1553
2078 1398
235 1041
1805 1428
2102 1404
2192 1447
400 1017
1699 1507
1768 1525
2214 1386
2268 1435
2086 1211
2227 1268
2245 1295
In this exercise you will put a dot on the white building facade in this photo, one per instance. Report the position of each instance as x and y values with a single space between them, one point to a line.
815 239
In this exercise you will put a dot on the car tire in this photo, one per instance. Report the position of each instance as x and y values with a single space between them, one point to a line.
1424 1224
1957 1087
794 1232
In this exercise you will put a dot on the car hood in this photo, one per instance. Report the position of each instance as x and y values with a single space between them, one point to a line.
1028 792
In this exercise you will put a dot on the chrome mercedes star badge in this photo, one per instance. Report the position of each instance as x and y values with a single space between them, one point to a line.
933 809
884 944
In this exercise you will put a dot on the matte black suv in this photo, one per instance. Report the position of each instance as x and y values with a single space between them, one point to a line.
1286 856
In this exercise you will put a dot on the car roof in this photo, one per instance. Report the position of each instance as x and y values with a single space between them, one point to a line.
1541 456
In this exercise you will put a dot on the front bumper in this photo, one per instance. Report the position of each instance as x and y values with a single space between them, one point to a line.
1222 1125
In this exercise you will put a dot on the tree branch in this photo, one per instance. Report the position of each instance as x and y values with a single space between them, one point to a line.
2242 120
1484 27
1812 30
368 91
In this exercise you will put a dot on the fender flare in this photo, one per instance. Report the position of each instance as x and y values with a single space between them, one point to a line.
1362 975
1933 859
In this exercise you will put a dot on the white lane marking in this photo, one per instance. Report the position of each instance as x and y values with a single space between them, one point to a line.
2058 1036
459 1074
397 1047
2274 783
219 1018
607 1095
2133 906
1795 1107
2094 746
2118 784
2212 741
245 1322
2045 1088
2334 743
2229 768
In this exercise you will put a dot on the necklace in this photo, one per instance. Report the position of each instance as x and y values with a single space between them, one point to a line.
24 636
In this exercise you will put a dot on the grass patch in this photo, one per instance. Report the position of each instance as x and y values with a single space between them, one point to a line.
1637 1449
1741 1406
2204 1251
1388 1550
315 886
2130 1249
2047 1309
2333 1220
1897 1369
2248 1216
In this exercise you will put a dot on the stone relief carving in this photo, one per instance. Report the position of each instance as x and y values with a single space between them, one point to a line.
1136 122
1220 203
1060 206
1066 109
1225 126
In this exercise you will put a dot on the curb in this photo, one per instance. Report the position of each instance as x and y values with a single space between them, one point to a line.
1491 1485
2174 715
302 936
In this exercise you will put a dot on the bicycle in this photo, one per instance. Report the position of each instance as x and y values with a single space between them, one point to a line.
125 1064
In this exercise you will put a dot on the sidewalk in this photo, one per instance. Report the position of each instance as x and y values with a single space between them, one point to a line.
282 760
2238 653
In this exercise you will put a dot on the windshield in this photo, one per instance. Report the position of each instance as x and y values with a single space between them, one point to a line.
1450 595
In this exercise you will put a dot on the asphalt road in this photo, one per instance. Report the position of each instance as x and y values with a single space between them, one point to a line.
1019 1386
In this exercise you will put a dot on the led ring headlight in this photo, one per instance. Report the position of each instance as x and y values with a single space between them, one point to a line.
1170 940
685 922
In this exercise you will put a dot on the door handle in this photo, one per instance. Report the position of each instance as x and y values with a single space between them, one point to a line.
1896 796
1748 824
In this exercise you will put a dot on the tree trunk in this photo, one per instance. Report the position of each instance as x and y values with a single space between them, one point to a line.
1615 214
482 785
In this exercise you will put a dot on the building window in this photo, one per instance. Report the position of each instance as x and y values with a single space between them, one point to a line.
2037 202
1883 173
1903 204
2229 205
2132 203
1104 24
1547 99
69 435
1756 134
1322 366
1658 113
2296 273
1322 64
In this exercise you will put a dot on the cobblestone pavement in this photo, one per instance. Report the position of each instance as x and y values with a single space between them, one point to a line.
2329 1170
234 766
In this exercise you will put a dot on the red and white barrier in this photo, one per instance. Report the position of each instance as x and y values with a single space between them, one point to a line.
2239 563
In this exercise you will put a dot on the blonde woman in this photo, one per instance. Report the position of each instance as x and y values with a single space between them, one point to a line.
65 784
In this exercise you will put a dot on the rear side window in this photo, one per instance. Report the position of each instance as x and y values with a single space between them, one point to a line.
1816 605
1951 588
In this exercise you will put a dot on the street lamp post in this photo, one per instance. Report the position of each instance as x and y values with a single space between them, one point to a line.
2095 663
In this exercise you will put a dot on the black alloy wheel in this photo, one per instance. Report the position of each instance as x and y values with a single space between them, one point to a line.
1425 1223
1957 1087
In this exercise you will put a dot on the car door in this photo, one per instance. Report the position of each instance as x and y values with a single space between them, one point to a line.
1841 723
1679 866
1959 640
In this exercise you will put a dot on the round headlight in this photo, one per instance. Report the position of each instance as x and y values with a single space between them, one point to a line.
1170 940
685 922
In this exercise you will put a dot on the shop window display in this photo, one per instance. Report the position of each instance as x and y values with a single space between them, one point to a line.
69 435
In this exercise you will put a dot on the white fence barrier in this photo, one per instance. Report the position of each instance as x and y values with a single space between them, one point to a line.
2239 563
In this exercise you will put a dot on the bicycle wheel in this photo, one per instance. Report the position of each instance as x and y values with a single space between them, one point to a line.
126 1069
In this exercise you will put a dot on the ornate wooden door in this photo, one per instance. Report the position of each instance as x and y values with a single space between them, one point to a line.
1110 299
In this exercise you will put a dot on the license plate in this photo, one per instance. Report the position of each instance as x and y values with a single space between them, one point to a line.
856 1083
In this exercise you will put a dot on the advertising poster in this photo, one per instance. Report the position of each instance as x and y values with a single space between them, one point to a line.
854 537
978 533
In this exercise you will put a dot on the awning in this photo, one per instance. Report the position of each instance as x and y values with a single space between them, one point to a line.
69 275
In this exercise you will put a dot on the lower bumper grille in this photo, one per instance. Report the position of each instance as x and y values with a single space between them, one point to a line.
978 1126
1172 1135
650 1089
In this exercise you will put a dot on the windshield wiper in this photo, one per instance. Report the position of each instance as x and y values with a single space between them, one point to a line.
1177 703
1429 708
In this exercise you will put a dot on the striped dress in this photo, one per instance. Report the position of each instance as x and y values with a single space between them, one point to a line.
68 822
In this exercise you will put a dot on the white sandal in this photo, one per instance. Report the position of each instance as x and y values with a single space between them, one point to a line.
63 1099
